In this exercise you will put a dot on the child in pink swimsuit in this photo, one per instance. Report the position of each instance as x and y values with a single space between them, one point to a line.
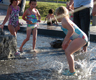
13 16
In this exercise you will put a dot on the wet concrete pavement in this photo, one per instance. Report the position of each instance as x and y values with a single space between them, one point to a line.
32 66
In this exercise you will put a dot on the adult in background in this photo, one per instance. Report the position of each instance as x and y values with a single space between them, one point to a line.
82 18
94 15
94 9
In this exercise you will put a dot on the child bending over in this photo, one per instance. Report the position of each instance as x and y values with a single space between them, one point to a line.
74 40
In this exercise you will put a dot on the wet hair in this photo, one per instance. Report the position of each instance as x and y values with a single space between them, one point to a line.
51 11
32 0
62 11
11 1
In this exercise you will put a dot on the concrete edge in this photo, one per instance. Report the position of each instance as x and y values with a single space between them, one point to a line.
52 33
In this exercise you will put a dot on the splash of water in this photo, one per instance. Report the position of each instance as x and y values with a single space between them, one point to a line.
55 66
58 66
84 66
92 65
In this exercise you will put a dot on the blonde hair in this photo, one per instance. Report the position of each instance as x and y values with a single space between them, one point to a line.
62 11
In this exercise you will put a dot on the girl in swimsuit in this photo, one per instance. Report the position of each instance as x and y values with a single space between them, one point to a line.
30 16
75 38
13 16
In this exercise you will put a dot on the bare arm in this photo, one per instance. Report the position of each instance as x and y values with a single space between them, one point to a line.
55 20
46 18
94 8
69 6
71 2
19 9
24 17
39 17
70 29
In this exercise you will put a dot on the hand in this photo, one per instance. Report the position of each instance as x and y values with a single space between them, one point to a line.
1 26
39 20
64 45
69 7
20 24
29 22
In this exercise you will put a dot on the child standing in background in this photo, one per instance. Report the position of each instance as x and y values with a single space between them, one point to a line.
51 18
30 16
13 16
74 40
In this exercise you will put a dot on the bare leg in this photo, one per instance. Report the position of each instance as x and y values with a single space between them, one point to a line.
17 28
27 38
34 37
73 47
12 30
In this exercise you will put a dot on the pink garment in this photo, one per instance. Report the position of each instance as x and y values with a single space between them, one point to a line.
14 17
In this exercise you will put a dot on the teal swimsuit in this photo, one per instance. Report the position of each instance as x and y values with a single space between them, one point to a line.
78 33
32 18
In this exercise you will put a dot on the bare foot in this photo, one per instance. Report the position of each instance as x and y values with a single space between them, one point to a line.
36 51
85 48
17 54
20 49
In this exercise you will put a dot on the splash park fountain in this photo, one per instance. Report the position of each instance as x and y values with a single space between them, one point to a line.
48 63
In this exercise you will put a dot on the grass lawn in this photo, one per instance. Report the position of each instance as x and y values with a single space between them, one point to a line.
43 7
